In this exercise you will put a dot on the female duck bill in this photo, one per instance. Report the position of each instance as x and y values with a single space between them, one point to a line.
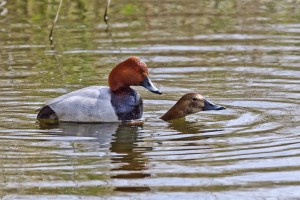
211 106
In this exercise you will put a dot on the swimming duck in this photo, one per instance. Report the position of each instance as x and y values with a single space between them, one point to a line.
115 103
188 104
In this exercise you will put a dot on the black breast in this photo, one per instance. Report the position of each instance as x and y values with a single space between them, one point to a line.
128 107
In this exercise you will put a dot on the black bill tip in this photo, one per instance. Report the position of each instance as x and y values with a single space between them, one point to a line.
157 92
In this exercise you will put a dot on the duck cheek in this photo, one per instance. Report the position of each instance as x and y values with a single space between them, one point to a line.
198 106
195 110
133 79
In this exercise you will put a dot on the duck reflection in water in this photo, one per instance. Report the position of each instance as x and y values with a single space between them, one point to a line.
120 141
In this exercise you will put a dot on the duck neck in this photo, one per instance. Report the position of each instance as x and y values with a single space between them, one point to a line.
121 90
117 84
173 113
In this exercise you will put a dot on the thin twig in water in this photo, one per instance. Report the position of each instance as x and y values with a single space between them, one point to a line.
54 22
106 14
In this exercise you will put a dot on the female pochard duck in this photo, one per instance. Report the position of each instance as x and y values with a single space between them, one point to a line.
118 102
188 104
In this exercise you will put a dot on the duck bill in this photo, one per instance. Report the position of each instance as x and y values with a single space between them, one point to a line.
147 83
210 106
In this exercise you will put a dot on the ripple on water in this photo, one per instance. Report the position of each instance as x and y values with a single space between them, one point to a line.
250 152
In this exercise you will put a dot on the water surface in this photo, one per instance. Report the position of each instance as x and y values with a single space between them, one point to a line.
240 54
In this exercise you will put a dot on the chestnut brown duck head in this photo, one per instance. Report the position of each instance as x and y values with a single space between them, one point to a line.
188 104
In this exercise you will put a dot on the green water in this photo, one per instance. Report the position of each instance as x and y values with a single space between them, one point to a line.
240 54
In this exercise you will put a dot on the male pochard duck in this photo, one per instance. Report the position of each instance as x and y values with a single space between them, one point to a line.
188 104
118 102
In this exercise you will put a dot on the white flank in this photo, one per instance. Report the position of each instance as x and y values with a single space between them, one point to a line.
90 104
